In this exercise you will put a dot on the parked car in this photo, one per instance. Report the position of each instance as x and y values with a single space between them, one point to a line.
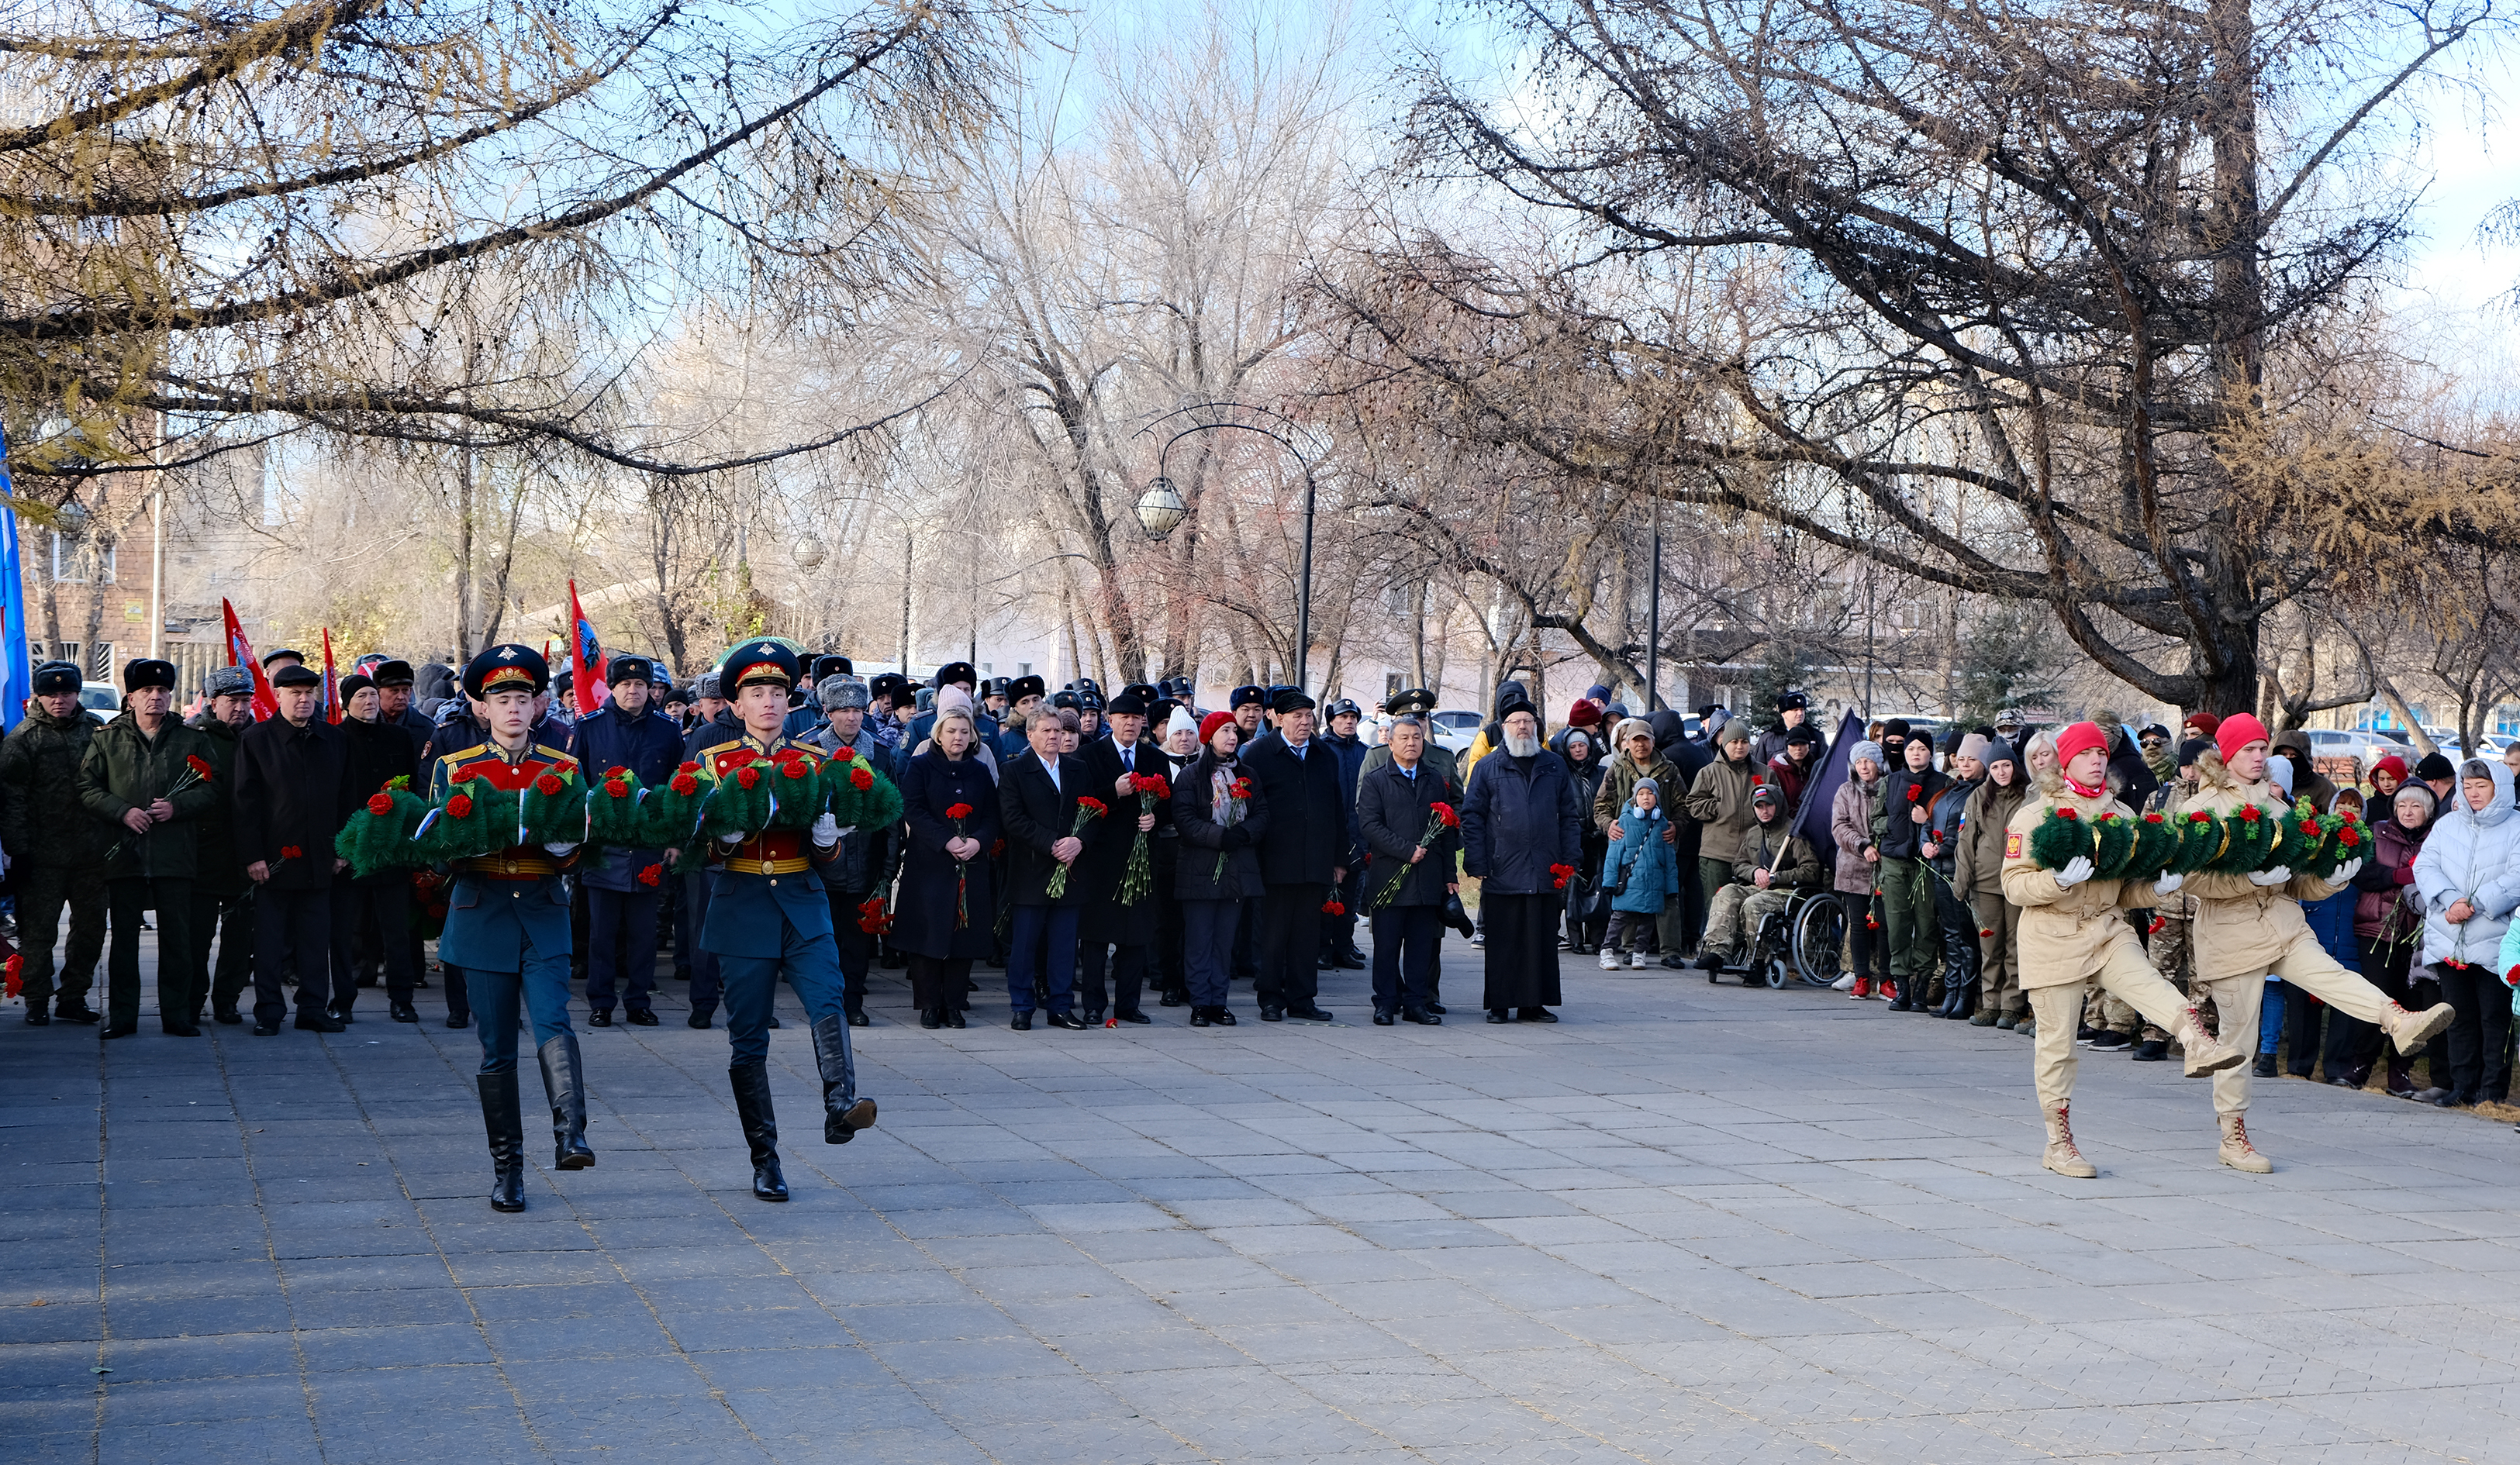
103 698
1456 730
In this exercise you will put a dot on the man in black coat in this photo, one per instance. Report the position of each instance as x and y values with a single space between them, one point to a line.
394 683
1037 802
1122 933
375 914
293 795
1300 854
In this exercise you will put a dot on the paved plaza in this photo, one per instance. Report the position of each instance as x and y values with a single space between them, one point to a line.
1687 1224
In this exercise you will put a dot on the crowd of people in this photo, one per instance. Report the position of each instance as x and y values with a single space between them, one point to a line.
1102 849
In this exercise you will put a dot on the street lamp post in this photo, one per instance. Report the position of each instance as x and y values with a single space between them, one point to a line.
1161 509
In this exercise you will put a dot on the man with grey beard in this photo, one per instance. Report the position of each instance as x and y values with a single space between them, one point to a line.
1523 831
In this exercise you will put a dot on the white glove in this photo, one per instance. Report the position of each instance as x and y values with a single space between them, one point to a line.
2169 884
731 840
2281 874
560 850
2347 871
2076 871
826 831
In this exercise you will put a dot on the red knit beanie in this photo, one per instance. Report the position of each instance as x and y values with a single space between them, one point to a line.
1208 724
2077 739
2238 732
1583 714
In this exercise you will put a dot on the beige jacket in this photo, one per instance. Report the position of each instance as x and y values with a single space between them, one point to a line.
2066 934
1977 865
2240 930
1720 800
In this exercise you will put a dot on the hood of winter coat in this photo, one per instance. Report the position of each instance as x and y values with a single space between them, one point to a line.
2494 812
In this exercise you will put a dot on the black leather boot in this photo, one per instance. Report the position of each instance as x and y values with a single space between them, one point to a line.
506 1126
752 1085
843 1112
565 1080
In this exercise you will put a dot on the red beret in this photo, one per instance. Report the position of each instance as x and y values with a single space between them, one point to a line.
1208 724
2203 721
1583 714
2238 732
2079 738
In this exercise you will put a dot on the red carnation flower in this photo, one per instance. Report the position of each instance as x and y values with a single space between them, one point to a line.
1986 931
997 849
2158 923
1451 816
748 776
616 770
1333 907
616 788
1915 791
200 765
1092 808
686 767
2152 819
2067 811
2249 814
1562 873
381 804
860 778
1872 924
463 774
957 810
844 753
796 767
2346 838
685 784
2200 817
460 806
290 851
652 875
1242 789
549 785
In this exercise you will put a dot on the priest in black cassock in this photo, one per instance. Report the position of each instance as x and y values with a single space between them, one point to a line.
1521 836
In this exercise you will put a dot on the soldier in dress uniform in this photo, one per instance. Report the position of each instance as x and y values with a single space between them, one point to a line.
768 919
507 934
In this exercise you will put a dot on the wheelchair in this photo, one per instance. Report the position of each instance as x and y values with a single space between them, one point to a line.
1805 940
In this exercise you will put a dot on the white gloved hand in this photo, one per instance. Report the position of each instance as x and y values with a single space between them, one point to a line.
2347 871
2169 884
731 840
2076 871
560 850
2279 875
826 831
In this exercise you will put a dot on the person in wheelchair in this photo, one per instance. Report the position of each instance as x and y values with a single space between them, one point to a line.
1773 863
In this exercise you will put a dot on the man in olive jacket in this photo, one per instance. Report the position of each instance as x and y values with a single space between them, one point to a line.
55 850
139 774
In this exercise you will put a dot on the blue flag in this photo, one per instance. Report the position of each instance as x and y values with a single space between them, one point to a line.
1819 795
17 673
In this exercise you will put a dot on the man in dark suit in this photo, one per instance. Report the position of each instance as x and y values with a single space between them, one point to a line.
293 795
1037 800
1124 932
1300 853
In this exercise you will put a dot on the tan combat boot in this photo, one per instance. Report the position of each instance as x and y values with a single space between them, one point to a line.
2061 1156
2411 1031
2206 1055
2238 1152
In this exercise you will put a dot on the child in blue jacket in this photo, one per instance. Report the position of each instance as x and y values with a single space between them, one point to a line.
1642 871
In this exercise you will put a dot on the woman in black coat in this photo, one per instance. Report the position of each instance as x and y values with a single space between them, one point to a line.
1588 908
1393 811
1219 864
942 915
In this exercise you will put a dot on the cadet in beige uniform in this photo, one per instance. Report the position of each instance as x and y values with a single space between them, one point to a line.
2073 930
2246 926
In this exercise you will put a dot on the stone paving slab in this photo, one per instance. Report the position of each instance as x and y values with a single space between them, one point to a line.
1686 1224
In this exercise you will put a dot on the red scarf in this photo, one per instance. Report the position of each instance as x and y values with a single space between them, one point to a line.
2088 793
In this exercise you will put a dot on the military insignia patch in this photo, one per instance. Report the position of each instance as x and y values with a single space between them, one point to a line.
2012 844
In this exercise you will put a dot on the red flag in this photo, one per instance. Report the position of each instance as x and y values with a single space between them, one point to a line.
585 657
240 654
331 698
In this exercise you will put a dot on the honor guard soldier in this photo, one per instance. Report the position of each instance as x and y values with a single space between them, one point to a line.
506 936
768 919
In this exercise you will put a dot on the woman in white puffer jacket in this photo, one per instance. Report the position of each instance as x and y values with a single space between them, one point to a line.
2468 883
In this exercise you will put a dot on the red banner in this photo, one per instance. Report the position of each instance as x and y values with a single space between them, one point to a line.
240 654
585 658
332 700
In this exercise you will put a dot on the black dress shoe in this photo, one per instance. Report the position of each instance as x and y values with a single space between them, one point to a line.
340 1015
37 1017
116 1030
1021 1022
1354 957
1093 1019
697 1019
1175 999
930 1018
1420 1016
401 1011
1437 1008
72 1010
226 1016
1324 963
181 1030
1198 1018
1272 1013
642 1017
858 1018
266 1030
1382 1017
1498 1014
600 1017
953 1017
1308 1014
1136 1017
452 1021
1538 1014
1223 1017
1067 1020
318 1022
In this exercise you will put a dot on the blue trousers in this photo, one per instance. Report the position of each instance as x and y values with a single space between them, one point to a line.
621 947
1208 947
810 963
1031 924
543 990
705 976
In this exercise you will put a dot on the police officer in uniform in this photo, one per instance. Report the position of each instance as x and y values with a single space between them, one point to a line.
507 937
768 919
